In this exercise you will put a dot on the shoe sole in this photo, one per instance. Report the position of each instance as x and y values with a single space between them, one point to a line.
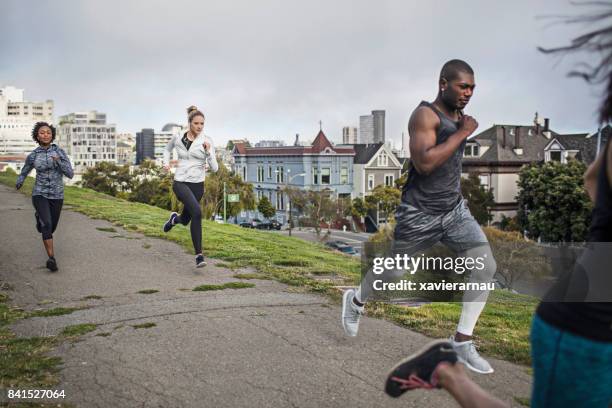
412 357
474 369
201 264
52 269
345 300
169 220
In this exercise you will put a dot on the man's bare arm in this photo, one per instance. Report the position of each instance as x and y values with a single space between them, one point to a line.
425 154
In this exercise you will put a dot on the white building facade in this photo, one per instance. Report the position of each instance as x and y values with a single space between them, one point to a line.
87 139
17 118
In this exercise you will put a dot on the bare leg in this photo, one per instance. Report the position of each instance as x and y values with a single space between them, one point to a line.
465 391
48 243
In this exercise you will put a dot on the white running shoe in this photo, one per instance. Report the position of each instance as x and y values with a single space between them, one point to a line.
351 313
468 355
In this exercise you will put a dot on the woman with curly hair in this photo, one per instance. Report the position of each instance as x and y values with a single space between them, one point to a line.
195 150
51 164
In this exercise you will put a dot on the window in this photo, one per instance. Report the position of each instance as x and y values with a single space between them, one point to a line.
325 175
389 179
280 201
555 156
315 176
280 174
344 175
370 181
383 160
260 173
471 150
484 181
259 194
244 173
269 172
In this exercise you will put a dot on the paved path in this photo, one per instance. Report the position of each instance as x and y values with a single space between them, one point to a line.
268 346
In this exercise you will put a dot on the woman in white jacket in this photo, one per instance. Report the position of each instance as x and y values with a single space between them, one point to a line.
194 150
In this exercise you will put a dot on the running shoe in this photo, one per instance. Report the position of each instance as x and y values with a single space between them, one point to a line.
51 264
351 313
200 262
170 223
468 355
419 370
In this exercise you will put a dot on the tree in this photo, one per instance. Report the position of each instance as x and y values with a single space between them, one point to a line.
108 178
213 193
384 199
265 207
478 199
552 203
359 208
319 207
298 200
517 258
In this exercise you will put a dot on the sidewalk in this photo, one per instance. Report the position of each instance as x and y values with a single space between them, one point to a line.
267 346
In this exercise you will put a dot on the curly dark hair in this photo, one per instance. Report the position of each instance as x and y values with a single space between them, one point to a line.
598 41
37 127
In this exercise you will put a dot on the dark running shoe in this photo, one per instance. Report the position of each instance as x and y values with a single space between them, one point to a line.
170 223
51 264
200 262
418 370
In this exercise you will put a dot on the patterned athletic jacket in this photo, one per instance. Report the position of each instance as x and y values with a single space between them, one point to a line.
49 173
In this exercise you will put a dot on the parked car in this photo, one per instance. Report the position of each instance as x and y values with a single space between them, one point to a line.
254 223
342 247
270 225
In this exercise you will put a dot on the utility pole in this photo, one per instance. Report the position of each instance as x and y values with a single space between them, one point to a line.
224 204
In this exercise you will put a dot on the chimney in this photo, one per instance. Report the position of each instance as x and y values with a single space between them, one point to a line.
517 139
518 150
503 137
297 139
546 124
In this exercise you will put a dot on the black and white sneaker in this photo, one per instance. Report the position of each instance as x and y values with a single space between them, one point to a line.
419 370
52 264
200 262
170 223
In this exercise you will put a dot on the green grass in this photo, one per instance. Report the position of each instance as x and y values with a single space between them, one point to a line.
148 291
144 325
502 330
23 362
229 285
58 311
92 297
526 402
106 229
78 329
251 276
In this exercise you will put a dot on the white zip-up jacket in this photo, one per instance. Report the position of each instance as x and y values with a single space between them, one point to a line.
191 162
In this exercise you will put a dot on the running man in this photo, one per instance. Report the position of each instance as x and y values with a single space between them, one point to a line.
432 208
195 151
51 164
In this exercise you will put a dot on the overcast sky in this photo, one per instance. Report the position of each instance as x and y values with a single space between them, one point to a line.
271 69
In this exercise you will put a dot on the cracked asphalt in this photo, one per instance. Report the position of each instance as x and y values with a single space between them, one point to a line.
267 346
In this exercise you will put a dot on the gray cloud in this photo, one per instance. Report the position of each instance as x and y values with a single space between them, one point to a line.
270 69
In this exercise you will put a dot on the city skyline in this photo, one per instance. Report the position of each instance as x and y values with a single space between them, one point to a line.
231 61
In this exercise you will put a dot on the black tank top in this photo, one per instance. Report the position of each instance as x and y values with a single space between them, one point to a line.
591 320
440 191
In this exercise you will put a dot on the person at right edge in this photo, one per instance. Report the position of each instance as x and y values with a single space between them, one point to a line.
571 333
432 208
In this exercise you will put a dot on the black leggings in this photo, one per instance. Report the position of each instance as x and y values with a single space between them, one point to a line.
190 195
47 214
